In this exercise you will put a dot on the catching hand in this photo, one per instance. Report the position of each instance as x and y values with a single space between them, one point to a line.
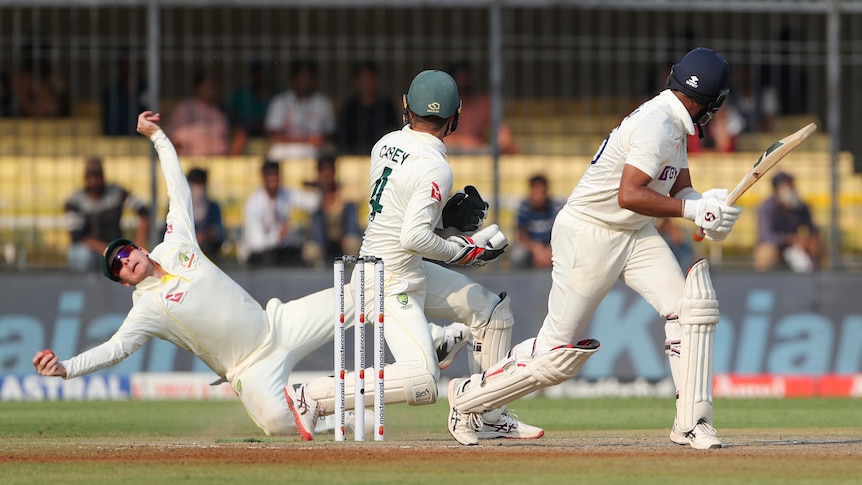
47 364
484 246
466 211
147 123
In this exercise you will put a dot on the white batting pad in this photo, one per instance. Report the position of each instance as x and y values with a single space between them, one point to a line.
521 373
698 317
492 345
404 383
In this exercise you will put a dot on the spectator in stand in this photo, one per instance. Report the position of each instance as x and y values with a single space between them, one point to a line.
786 231
37 92
123 99
474 124
199 126
248 104
93 216
757 104
335 227
536 215
209 227
786 75
271 235
299 122
367 115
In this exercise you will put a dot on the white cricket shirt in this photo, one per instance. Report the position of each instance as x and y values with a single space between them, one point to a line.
196 306
652 139
410 178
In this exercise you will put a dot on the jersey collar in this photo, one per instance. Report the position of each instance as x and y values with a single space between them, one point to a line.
427 138
678 109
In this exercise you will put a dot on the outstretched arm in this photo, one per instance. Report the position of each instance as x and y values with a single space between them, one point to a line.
180 220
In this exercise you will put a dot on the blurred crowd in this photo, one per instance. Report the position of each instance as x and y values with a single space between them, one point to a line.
306 225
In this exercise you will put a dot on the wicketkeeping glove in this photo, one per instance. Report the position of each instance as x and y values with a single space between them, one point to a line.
466 211
487 244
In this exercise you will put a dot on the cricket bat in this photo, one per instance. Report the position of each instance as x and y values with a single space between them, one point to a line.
769 159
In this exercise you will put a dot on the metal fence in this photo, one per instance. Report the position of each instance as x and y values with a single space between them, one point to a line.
557 76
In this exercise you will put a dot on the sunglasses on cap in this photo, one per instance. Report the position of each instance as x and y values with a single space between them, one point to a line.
117 262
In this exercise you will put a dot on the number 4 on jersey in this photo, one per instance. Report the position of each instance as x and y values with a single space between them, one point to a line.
377 192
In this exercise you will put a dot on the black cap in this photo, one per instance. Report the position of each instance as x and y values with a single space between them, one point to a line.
702 75
108 256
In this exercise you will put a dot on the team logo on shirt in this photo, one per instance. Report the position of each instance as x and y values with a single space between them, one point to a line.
188 259
403 301
176 297
435 192
169 229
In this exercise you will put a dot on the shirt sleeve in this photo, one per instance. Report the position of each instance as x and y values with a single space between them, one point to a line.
74 219
422 214
130 337
254 235
305 200
649 146
180 221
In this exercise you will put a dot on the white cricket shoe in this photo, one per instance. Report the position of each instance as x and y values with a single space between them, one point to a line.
508 426
305 411
455 337
702 437
462 426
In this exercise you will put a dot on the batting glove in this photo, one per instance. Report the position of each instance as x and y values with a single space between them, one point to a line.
711 214
715 194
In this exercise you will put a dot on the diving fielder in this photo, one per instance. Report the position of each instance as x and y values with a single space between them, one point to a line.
607 232
182 297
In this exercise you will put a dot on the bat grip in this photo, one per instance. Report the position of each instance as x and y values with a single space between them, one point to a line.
698 235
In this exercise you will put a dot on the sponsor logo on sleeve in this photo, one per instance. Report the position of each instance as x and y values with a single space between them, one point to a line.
176 297
169 229
435 192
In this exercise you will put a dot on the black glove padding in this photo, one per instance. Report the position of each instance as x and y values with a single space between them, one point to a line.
465 211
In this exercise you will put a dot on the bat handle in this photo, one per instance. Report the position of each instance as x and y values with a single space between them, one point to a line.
698 235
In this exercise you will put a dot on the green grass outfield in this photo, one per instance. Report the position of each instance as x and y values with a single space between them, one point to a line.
587 441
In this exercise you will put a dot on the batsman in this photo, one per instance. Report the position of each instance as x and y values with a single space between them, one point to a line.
605 232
